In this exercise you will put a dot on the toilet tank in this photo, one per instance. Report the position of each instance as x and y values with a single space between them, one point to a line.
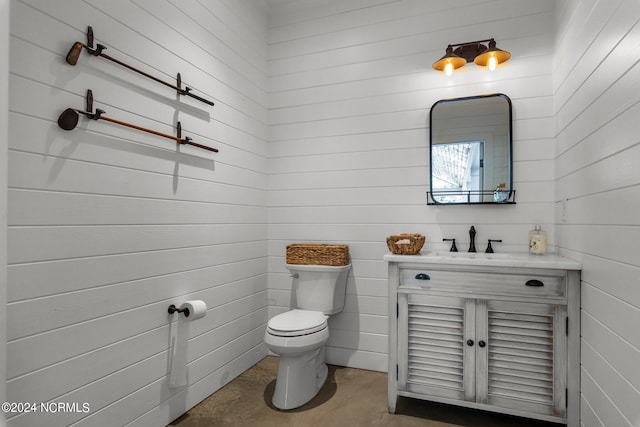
320 287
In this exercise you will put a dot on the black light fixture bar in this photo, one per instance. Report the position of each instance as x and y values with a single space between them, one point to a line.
76 49
469 50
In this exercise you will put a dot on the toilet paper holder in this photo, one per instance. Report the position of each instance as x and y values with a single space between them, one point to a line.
173 309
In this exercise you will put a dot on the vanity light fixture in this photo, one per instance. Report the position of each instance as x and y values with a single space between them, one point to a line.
449 62
476 51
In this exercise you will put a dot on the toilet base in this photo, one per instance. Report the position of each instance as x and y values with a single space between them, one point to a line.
300 378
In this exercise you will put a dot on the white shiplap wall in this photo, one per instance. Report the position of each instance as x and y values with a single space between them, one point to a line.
597 105
4 137
109 226
351 88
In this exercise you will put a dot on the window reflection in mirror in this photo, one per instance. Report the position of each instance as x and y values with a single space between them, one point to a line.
471 149
457 168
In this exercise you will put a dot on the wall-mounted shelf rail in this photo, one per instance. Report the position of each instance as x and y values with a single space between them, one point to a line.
68 120
471 197
76 49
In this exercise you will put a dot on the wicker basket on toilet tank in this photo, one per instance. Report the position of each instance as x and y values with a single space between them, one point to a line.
405 244
317 254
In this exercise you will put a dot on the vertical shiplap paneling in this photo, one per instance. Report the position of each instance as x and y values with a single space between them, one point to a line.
109 226
597 193
351 87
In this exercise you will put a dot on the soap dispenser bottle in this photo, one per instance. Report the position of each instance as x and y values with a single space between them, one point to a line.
537 240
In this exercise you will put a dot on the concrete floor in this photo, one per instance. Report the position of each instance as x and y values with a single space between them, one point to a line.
350 397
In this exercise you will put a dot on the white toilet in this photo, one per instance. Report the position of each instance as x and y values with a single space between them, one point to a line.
298 336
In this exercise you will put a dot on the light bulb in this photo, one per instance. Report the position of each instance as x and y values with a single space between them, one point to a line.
448 68
492 63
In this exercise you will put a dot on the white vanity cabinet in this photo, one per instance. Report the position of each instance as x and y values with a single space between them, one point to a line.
499 334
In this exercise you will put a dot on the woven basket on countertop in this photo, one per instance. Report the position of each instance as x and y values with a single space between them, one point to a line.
415 243
317 254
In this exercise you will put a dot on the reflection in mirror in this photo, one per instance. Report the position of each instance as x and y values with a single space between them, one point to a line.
471 150
456 167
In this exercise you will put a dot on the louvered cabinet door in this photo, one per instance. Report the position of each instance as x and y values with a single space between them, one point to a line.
523 362
432 353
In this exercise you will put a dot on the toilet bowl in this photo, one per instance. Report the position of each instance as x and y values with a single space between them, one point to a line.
298 336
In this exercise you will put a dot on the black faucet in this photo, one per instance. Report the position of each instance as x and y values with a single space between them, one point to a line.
489 248
472 236
453 244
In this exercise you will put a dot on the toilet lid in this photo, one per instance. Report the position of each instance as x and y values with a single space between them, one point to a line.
297 322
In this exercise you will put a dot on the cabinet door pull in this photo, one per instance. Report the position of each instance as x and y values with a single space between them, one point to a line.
422 276
534 283
470 343
481 344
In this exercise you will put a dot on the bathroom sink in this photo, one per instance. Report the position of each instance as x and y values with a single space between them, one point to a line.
469 255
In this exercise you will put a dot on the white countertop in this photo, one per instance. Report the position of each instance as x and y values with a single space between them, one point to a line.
513 259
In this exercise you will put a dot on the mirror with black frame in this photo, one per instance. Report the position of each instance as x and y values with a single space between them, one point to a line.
470 151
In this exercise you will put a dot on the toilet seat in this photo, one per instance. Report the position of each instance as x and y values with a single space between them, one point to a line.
297 323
